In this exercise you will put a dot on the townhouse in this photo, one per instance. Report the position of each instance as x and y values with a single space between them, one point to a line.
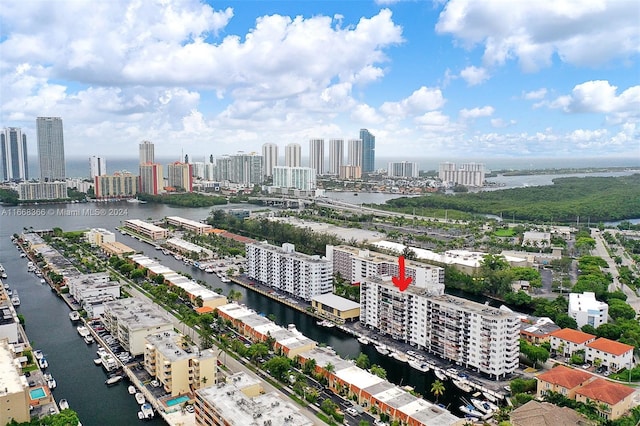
610 354
567 341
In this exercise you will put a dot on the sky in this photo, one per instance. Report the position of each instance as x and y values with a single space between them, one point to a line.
445 79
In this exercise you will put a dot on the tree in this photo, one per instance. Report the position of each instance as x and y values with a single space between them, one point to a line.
619 309
437 389
379 371
362 361
278 367
565 321
309 366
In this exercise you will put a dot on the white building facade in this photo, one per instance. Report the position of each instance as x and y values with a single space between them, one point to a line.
585 309
303 178
269 158
467 174
404 169
293 155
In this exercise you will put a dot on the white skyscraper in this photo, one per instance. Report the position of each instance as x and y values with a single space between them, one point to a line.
355 152
98 166
336 155
403 169
316 155
303 178
293 155
269 158
13 155
50 148
146 152
467 174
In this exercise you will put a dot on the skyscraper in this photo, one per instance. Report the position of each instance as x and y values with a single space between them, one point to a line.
355 152
293 155
50 148
269 158
336 155
368 151
151 179
180 176
13 155
316 155
146 152
98 166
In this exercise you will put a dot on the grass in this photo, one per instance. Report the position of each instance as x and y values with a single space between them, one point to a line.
504 233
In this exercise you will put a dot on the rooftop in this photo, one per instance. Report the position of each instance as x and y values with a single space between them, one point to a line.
336 302
535 413
136 314
145 225
610 346
573 336
11 381
565 377
605 391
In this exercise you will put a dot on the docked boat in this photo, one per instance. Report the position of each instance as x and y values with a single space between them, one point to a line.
382 349
326 323
463 385
43 363
97 361
109 363
131 389
225 279
43 281
6 286
157 248
74 316
51 382
364 340
452 372
4 275
484 406
83 331
471 411
113 380
491 397
64 405
88 339
140 398
418 365
147 411
38 354
440 374
15 299
399 356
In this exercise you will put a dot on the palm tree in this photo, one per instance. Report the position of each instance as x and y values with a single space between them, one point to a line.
437 389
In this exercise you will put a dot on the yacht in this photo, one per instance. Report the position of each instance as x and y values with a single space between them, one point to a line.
470 410
463 385
418 365
64 405
209 270
225 280
43 363
43 281
363 340
38 354
440 374
4 275
83 331
399 356
140 398
113 380
131 389
484 406
382 349
88 339
15 299
147 411
74 316
109 362
51 382
97 361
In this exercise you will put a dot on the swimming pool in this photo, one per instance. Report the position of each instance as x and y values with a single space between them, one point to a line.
37 393
176 401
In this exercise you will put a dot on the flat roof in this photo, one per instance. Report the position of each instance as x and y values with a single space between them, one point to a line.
188 222
137 314
145 225
336 302
11 381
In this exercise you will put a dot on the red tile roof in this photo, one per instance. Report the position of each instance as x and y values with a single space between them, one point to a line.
566 377
573 336
605 391
610 346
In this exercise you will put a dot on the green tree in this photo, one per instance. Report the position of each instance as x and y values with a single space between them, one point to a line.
278 367
378 371
362 361
437 389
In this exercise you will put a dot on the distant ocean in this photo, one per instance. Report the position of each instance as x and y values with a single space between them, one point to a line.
79 167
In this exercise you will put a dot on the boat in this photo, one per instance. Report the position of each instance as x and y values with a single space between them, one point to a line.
74 316
89 339
147 411
463 385
38 354
364 340
15 299
136 201
209 270
51 383
452 372
140 398
440 374
64 405
4 275
6 286
131 389
399 356
157 247
225 280
470 410
382 349
113 380
97 361
109 362
43 363
43 281
491 397
418 365
484 406
83 331
326 323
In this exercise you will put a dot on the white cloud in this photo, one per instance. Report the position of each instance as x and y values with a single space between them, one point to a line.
581 33
499 123
477 112
474 75
423 99
535 94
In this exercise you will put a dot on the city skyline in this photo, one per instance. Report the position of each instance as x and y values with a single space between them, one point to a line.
552 80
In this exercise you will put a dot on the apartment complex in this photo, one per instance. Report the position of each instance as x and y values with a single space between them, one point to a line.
97 236
404 169
180 367
368 151
355 265
97 166
302 178
147 229
180 176
117 185
50 148
14 389
42 191
190 249
336 155
585 309
151 179
468 333
284 269
467 174
293 155
146 152
269 158
350 172
316 155
189 225
355 152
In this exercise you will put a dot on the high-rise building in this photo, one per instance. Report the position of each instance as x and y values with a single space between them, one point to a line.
293 155
180 176
42 191
147 154
316 155
368 151
355 152
269 158
151 179
467 174
350 172
245 169
403 169
13 155
98 166
120 184
303 178
50 148
336 155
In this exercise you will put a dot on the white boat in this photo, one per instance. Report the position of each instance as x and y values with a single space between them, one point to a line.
136 201
89 339
470 410
157 248
418 365
440 374
38 354
484 406
15 299
399 356
74 316
382 349
4 275
52 384
208 270
147 411
109 362
326 323
97 361
6 286
113 380
64 405
83 331
43 281
131 389
463 385
225 280
452 372
364 340
140 398
491 397
43 363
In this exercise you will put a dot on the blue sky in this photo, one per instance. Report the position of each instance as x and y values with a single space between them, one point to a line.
456 79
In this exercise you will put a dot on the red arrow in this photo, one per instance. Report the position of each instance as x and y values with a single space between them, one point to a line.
401 282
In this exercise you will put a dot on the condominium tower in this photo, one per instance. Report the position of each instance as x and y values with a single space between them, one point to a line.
13 155
302 178
50 148
467 174
369 151
336 155
180 176
146 152
316 155
269 158
293 155
355 152
404 169
97 166
151 178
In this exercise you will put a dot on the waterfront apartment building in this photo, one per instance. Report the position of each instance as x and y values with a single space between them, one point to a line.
302 178
42 191
150 230
189 225
336 156
244 169
368 151
14 388
466 174
269 158
131 320
97 166
316 155
191 250
180 176
355 265
293 155
50 148
585 309
151 179
146 152
356 153
180 367
117 185
284 269
403 169
98 236
350 172
467 333
93 287
14 165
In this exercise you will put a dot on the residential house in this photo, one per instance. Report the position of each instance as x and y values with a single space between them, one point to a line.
609 353
562 380
567 341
